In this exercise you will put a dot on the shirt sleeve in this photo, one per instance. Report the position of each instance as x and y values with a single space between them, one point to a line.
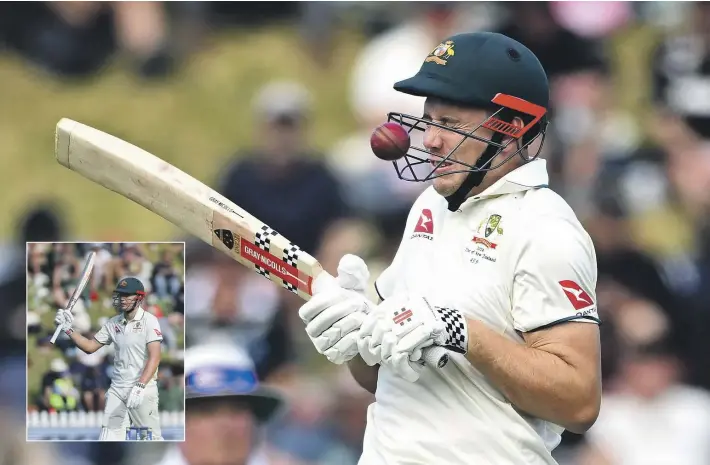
153 332
555 276
104 336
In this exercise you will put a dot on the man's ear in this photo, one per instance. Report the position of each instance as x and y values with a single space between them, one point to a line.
518 123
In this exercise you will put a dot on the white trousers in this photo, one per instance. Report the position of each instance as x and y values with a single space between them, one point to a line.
117 417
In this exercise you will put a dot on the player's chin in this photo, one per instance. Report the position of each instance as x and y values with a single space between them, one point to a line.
448 184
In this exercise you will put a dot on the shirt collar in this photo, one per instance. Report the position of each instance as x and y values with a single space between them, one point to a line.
138 316
529 176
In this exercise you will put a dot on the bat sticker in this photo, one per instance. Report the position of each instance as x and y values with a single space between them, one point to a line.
266 263
224 206
226 236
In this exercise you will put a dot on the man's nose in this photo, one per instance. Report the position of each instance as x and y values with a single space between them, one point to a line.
432 138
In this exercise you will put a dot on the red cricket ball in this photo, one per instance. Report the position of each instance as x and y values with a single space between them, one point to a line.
390 141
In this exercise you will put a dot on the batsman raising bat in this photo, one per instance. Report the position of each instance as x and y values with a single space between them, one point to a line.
493 265
136 336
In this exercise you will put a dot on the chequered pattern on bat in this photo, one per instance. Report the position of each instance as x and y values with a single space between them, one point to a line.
291 258
263 241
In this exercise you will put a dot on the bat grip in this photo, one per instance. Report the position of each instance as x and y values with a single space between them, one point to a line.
55 335
435 356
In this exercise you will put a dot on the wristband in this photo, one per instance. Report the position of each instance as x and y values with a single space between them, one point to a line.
69 331
141 385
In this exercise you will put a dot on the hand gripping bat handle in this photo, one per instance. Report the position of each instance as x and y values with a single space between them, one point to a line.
434 356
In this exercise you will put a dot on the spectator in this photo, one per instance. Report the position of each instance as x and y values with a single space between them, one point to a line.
165 279
227 408
58 390
651 417
324 425
132 262
281 180
681 78
101 275
91 371
94 383
171 387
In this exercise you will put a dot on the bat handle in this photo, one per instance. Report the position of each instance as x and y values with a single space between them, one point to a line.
55 335
435 356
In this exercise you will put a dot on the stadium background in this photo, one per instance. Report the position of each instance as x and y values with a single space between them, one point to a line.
66 388
628 150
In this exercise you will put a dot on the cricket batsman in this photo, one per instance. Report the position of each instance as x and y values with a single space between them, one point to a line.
493 265
137 337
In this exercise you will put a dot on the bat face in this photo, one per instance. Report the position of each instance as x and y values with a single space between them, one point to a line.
83 280
187 203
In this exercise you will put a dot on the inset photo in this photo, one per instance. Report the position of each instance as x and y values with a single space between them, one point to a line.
105 341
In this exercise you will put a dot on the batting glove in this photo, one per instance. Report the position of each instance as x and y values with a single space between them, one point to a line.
64 320
334 315
397 331
136 396
375 333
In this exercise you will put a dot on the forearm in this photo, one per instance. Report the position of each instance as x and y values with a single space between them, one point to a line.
365 375
149 369
88 346
539 383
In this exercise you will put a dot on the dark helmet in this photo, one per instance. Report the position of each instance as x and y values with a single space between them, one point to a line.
125 287
479 70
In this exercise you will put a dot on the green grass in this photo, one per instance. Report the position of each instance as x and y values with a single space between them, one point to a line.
195 120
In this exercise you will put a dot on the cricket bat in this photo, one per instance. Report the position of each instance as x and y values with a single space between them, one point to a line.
197 209
83 281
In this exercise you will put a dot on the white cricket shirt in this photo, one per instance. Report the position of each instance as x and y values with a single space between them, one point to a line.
514 257
130 339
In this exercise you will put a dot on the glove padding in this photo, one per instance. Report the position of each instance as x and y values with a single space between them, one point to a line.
64 319
334 315
135 397
397 331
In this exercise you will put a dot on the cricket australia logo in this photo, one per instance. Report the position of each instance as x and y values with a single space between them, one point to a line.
442 53
485 239
493 225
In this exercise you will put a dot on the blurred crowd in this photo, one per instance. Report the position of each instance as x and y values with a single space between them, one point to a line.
628 148
62 378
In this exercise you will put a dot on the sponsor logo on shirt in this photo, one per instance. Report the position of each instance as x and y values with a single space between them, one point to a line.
577 296
117 328
158 333
425 226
